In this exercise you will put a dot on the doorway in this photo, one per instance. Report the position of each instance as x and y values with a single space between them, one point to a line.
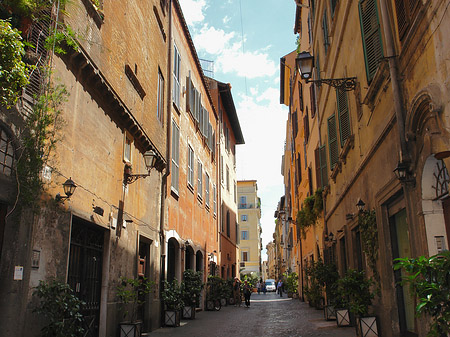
85 270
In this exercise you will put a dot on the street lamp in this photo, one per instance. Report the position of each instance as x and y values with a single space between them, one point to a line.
305 64
149 160
403 172
69 188
360 205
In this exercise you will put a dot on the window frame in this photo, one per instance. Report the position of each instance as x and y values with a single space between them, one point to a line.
160 98
176 90
190 166
175 172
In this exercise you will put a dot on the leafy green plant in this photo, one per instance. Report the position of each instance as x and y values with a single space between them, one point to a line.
292 283
367 223
191 287
61 39
13 71
172 296
213 288
59 305
311 210
131 294
429 279
356 292
327 276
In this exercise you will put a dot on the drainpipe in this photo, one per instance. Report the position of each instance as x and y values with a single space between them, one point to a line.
396 90
166 174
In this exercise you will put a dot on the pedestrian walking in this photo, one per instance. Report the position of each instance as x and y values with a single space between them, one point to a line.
237 292
280 287
258 286
264 288
247 293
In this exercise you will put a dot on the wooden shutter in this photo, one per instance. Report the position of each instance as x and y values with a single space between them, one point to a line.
405 13
312 95
299 169
343 115
295 124
323 166
326 41
306 126
371 36
332 141
300 95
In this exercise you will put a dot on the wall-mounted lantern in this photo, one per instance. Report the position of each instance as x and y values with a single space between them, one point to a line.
69 188
150 161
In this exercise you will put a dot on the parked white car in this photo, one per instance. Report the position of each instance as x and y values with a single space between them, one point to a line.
271 285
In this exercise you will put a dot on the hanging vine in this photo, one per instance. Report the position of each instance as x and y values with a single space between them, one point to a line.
367 223
311 210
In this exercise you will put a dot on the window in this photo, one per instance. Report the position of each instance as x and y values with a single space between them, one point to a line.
244 217
306 126
200 179
160 99
128 140
243 202
332 141
221 170
235 192
244 235
228 224
343 115
190 166
215 199
300 95
294 124
326 41
406 10
227 138
371 36
175 156
228 179
176 76
312 95
207 189
299 169
245 256
6 153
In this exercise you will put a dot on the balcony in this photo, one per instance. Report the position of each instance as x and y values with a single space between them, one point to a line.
248 206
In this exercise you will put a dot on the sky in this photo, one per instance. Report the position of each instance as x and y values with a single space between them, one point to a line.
246 39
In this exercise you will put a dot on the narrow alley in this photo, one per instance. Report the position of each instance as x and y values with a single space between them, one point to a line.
268 315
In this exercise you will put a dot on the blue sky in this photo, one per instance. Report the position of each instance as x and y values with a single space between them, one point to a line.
245 39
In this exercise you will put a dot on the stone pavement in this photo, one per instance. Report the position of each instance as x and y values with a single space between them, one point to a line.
268 315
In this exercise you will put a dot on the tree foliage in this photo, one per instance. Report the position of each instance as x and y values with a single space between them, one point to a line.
13 71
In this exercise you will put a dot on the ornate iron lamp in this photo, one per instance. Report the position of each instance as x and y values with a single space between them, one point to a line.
305 64
69 188
150 161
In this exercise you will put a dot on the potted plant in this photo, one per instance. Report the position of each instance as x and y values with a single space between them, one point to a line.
429 279
314 289
61 307
173 302
292 285
356 288
191 287
131 294
327 276
213 288
225 292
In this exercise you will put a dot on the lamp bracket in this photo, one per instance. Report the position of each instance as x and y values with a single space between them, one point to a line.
131 178
346 83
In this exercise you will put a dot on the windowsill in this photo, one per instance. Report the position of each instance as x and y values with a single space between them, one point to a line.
177 109
374 88
174 193
190 188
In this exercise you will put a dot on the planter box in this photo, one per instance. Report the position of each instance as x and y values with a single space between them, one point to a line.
367 326
130 329
343 317
188 312
329 313
172 318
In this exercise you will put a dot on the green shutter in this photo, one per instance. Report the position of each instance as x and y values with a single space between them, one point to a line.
371 36
332 141
323 166
343 115
326 42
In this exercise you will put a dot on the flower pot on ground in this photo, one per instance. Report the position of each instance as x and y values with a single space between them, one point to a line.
191 288
61 309
173 302
356 289
131 293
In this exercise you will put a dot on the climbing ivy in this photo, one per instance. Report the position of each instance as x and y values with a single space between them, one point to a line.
367 223
311 210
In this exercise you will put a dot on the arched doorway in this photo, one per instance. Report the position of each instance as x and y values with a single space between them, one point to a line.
199 261
189 258
173 258
436 204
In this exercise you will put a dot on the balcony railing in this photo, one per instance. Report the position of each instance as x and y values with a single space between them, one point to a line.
248 206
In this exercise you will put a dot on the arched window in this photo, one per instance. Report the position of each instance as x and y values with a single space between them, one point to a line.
6 153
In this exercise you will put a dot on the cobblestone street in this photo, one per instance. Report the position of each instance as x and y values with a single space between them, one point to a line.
268 315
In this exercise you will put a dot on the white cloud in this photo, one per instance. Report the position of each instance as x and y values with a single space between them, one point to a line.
193 10
249 64
226 19
211 40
